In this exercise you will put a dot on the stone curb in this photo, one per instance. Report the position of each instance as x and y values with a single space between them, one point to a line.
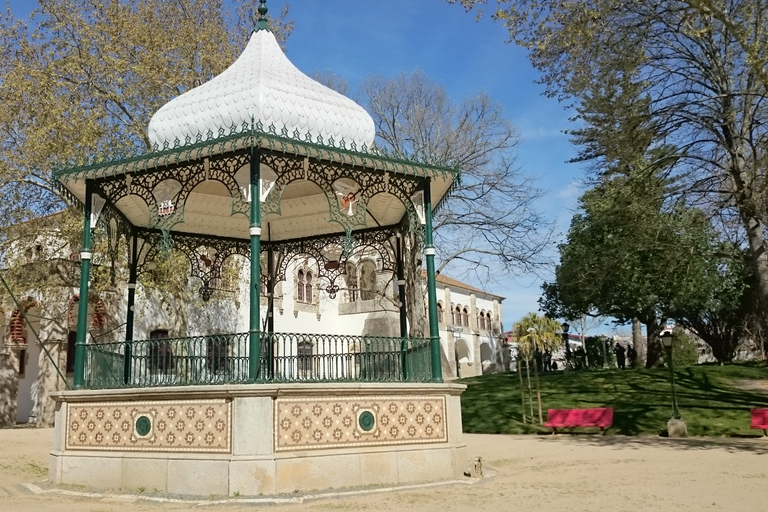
36 489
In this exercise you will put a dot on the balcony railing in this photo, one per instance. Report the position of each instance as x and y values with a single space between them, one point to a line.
285 357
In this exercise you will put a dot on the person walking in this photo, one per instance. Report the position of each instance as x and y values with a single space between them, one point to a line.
620 355
547 360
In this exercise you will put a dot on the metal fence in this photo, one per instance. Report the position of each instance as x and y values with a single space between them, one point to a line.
285 357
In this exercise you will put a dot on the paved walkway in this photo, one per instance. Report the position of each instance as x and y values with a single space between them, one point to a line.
536 473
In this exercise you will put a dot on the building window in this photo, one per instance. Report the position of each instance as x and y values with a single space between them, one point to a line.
304 287
160 352
439 313
71 340
217 350
367 280
488 321
304 359
22 362
484 320
457 316
352 287
465 317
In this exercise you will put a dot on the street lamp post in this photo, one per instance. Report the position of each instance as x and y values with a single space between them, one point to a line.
676 427
565 328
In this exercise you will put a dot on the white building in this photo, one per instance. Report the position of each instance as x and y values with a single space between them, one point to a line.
470 329
365 305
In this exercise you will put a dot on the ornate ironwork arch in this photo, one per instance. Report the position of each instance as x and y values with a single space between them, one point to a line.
222 170
206 255
328 270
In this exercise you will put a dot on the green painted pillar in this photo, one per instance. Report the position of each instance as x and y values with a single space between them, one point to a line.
82 305
254 334
429 251
270 313
132 277
403 311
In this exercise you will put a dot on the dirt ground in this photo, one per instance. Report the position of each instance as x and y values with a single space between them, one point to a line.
530 473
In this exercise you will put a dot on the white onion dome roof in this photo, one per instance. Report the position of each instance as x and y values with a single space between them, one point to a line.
262 85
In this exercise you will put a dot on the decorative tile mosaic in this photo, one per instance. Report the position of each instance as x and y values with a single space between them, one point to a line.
305 424
178 426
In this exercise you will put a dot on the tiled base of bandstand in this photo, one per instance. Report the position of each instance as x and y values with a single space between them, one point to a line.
260 439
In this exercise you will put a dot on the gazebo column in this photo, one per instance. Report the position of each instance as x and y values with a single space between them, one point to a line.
82 304
254 341
270 313
132 277
403 311
429 251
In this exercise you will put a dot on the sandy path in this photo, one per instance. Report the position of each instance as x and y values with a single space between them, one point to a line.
530 473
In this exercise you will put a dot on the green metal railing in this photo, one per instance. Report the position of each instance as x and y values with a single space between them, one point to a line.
212 359
285 357
289 357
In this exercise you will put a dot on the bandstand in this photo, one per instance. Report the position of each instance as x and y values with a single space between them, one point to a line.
266 164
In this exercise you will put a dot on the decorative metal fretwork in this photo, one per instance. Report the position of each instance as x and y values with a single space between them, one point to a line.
206 255
291 168
117 230
167 212
257 135
166 188
329 257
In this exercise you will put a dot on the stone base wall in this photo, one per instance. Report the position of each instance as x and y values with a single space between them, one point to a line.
261 439
9 385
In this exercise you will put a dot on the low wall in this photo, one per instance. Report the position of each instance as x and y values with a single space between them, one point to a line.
258 439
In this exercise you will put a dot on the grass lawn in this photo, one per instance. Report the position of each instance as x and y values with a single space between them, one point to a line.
709 401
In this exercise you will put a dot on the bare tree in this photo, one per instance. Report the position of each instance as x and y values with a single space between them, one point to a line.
489 222
488 226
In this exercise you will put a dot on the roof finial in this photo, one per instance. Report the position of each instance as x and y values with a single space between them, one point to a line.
262 23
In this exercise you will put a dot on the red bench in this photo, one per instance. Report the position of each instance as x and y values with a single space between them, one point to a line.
760 420
601 417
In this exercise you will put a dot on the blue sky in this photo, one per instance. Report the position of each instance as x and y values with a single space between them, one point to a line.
354 38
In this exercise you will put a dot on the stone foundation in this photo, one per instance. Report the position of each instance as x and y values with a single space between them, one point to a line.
258 439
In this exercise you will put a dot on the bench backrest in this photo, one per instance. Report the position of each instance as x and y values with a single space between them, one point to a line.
596 417
759 418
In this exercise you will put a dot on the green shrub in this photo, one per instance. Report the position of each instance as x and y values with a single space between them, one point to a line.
684 350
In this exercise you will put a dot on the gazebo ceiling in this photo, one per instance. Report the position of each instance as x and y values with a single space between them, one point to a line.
304 212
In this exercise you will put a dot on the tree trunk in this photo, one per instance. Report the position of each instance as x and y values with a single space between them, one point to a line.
522 387
414 291
749 201
637 341
538 389
759 258
653 344
530 392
